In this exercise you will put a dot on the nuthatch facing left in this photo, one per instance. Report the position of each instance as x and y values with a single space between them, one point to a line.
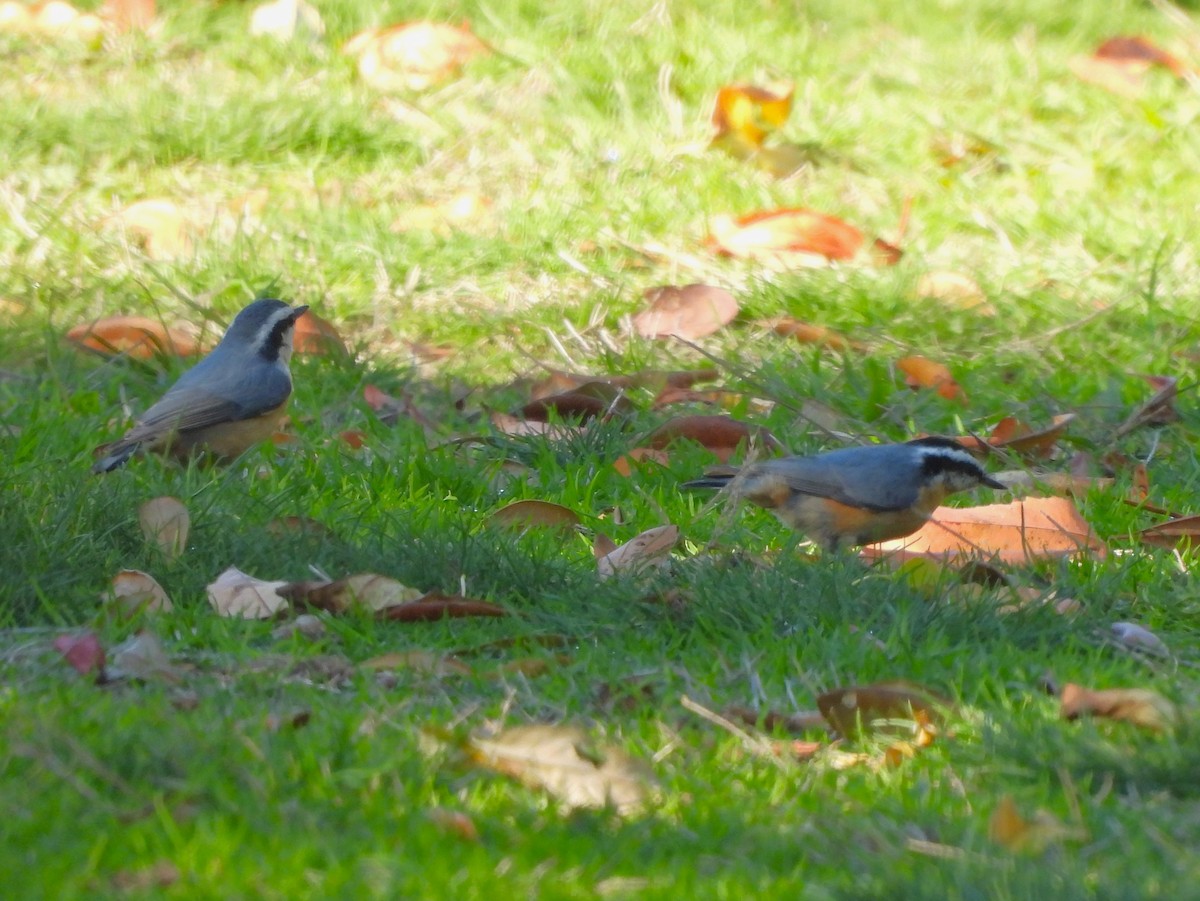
229 401
858 495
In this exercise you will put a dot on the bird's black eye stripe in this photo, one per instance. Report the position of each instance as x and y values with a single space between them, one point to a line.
273 342
933 464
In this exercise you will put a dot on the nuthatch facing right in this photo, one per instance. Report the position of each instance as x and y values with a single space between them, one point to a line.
858 495
229 401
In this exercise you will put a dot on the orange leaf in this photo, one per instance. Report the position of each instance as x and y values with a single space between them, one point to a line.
690 312
541 514
1019 532
413 55
806 333
624 465
921 372
1173 533
748 113
867 707
314 335
1012 434
435 606
720 434
797 236
650 549
587 401
1138 54
134 336
1141 707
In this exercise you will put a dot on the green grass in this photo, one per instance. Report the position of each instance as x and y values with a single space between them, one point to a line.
1082 240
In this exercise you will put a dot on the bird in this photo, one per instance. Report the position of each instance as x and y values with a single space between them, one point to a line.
856 495
229 401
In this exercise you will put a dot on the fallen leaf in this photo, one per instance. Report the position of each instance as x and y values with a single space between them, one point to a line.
1112 76
287 19
419 661
1007 828
1158 410
1176 532
1139 638
236 594
165 523
366 591
807 333
456 822
141 656
587 401
83 652
435 606
722 435
954 289
1138 53
413 56
1014 435
161 227
795 236
650 549
524 428
747 113
314 335
1018 532
881 705
691 312
135 336
129 15
535 514
921 372
639 456
1139 706
563 761
134 592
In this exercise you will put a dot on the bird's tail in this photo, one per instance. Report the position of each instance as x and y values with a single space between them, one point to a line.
115 456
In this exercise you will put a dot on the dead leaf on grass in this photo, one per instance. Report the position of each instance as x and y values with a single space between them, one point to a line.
921 372
165 523
588 401
564 762
747 114
365 591
1139 706
134 592
1017 532
135 336
1184 530
413 56
83 652
314 335
639 457
1007 828
162 227
883 706
956 290
722 435
525 428
649 550
437 606
535 514
807 333
1158 410
235 594
793 237
690 312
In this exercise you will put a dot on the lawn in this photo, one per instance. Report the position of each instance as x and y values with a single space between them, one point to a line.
465 239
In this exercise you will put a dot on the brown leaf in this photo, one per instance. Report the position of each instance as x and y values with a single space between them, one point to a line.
1139 706
588 401
650 549
134 592
134 336
1158 410
1176 532
539 514
638 457
795 236
236 594
162 227
83 652
165 523
366 591
691 312
807 333
1018 532
871 707
1114 77
435 606
455 822
747 113
921 372
1014 435
1007 828
722 435
564 762
522 428
314 335
414 55
1138 54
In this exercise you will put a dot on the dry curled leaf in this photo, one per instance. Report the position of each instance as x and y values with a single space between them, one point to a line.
135 336
435 606
235 594
690 312
796 237
637 458
1013 435
563 761
365 591
314 335
414 55
133 592
1184 530
722 435
1018 532
651 549
807 333
921 372
868 708
535 514
1139 706
746 114
165 523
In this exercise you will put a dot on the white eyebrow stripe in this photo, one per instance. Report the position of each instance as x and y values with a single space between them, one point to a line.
948 453
267 327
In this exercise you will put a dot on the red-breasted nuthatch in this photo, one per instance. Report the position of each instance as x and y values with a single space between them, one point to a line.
858 495
229 401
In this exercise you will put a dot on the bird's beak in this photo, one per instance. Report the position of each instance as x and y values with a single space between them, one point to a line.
299 311
993 483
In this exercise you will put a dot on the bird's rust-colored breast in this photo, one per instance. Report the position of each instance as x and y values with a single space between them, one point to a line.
228 439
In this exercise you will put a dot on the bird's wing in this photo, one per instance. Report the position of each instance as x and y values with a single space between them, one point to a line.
187 406
897 490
